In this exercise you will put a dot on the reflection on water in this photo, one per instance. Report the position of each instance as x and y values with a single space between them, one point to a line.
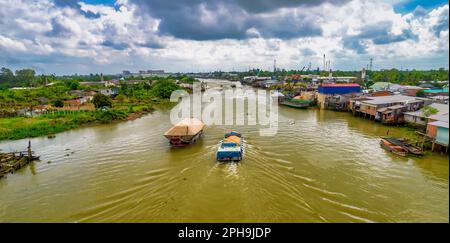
322 166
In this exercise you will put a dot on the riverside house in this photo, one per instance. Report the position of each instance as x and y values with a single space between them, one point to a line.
387 109
437 131
419 117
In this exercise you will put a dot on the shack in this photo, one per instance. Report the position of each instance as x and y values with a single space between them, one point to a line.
437 131
391 115
420 118
369 106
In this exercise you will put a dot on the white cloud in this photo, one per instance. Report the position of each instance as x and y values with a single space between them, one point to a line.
108 39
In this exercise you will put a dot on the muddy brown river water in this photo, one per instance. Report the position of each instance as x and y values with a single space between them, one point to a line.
322 166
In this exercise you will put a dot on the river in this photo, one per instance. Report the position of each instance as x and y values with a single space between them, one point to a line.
323 166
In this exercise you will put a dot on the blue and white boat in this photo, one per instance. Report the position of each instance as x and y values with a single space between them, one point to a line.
231 147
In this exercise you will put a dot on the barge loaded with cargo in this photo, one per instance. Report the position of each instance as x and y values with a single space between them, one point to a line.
186 132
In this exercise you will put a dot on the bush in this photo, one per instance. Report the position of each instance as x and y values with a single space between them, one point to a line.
58 103
111 115
101 100
420 93
429 110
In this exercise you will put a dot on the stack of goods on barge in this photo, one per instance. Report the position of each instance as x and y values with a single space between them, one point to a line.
186 132
231 148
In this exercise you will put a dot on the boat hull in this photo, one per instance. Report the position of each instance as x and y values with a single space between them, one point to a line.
300 104
393 148
402 145
182 141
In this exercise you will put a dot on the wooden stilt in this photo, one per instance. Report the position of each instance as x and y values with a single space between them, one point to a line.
29 151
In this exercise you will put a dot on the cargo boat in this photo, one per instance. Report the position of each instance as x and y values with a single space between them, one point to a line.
231 148
295 103
186 132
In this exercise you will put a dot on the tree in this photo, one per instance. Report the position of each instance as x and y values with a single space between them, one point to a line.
58 103
101 100
25 75
420 93
369 83
6 74
73 85
429 110
164 88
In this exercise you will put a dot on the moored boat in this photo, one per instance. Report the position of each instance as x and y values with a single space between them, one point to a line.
411 149
231 148
186 132
389 145
295 103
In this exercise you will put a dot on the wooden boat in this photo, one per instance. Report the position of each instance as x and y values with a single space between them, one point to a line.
391 147
186 132
231 148
295 103
10 162
411 149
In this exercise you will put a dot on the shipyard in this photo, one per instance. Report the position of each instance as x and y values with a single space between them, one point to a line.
220 111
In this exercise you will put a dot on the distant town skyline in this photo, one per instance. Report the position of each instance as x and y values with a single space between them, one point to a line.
107 36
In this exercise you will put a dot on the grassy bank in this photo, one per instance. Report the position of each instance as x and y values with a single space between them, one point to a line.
70 105
55 122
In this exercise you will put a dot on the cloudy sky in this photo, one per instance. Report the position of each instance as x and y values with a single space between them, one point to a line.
90 36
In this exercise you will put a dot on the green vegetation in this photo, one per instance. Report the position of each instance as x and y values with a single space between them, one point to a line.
129 101
101 100
187 80
429 110
23 127
164 89
420 93
408 77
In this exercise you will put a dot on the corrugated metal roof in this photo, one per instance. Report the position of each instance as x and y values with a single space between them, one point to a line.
441 117
388 99
439 124
396 107
442 109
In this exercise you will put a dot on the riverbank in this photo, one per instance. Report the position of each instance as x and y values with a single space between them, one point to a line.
59 121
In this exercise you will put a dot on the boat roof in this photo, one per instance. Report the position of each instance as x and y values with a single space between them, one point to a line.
229 149
186 127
